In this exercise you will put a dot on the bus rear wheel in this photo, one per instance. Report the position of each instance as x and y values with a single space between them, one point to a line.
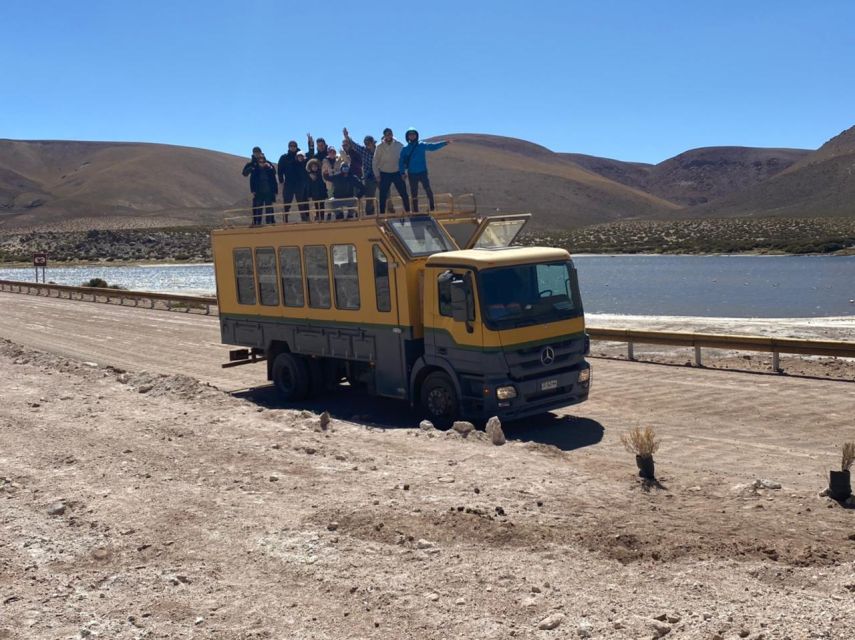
439 399
291 377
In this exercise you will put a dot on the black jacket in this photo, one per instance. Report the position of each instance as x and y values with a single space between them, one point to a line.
316 189
292 172
262 177
346 186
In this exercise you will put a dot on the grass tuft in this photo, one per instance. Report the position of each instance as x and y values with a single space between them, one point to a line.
848 456
641 441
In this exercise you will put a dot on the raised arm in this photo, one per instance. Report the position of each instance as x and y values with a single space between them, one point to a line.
435 146
359 148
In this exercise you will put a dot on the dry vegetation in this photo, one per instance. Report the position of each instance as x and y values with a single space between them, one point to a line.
735 235
641 441
847 456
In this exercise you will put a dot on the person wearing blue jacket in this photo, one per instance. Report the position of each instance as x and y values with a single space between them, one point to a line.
413 164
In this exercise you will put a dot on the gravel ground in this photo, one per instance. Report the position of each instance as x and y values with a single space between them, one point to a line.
142 505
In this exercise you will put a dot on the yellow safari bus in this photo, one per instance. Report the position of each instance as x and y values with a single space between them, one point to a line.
437 309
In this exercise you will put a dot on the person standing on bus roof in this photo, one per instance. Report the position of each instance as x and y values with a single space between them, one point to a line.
369 180
387 165
292 172
413 164
262 184
316 188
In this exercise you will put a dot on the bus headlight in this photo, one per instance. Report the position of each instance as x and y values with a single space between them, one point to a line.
585 376
506 393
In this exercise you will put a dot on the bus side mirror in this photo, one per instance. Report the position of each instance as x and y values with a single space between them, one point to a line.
462 303
459 300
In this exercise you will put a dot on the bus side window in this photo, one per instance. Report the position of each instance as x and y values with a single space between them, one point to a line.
318 276
381 280
292 276
265 264
245 276
346 276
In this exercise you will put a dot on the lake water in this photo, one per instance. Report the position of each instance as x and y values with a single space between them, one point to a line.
712 286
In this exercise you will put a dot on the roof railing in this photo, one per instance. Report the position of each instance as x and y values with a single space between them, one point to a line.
334 210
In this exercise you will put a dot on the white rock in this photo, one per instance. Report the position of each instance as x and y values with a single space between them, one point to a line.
426 425
495 432
762 483
551 622
660 629
463 428
584 629
423 544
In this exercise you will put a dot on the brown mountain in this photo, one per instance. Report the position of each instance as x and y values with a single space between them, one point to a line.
106 185
83 185
113 184
632 174
514 175
821 183
697 176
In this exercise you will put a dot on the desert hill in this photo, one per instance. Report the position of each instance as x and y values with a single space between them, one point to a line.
67 185
513 175
821 183
105 185
697 176
108 184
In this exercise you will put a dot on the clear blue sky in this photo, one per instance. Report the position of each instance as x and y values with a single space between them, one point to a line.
635 80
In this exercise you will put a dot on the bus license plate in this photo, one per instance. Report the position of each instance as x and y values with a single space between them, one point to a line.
549 385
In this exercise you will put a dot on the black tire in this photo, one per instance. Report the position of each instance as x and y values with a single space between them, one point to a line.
439 400
291 377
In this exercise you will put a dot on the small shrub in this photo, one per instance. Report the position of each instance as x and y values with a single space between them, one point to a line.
640 441
848 456
100 283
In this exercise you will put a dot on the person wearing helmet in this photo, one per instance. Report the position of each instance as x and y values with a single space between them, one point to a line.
386 165
413 164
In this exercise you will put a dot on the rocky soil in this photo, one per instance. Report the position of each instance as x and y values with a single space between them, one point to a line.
139 505
730 235
188 243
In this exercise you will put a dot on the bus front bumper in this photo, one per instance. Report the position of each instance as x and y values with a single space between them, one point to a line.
537 395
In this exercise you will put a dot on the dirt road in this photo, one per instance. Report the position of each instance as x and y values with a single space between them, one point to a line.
138 505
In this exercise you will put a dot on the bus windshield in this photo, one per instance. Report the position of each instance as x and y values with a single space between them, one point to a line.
529 294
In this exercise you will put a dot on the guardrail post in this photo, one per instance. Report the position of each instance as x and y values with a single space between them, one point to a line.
630 350
776 362
698 362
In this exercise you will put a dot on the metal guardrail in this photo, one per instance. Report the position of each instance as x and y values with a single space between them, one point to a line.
763 344
338 209
698 341
170 302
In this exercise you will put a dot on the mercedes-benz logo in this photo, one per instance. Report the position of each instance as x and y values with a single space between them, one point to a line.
547 356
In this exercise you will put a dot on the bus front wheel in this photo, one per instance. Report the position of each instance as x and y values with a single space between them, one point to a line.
439 399
291 377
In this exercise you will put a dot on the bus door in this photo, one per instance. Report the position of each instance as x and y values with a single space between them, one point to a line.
390 372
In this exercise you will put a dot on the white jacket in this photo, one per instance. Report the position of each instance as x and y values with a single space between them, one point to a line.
386 157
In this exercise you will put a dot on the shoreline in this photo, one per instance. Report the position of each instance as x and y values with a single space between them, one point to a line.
118 262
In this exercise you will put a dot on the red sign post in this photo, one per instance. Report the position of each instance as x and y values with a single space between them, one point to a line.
40 262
